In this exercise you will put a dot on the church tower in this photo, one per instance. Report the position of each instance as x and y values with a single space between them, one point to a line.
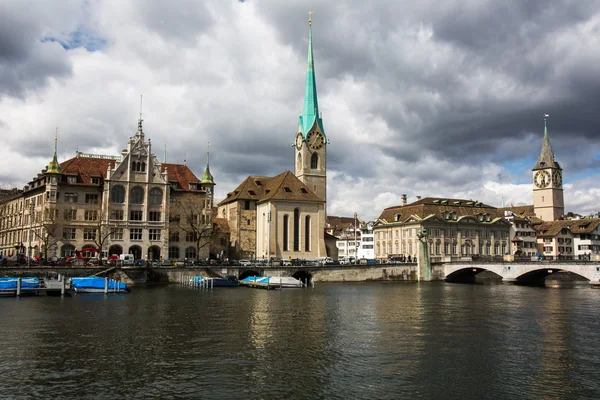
548 200
310 146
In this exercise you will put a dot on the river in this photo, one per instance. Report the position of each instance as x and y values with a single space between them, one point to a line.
336 341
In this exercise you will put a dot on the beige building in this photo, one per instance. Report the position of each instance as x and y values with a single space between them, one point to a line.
548 198
284 216
455 228
94 204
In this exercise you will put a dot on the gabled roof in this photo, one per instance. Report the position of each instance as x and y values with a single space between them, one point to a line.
433 207
179 174
553 228
285 186
546 158
338 225
86 167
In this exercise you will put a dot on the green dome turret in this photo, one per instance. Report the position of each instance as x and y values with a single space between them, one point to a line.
207 177
54 166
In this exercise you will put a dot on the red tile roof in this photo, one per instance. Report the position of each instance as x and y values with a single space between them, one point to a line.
86 167
180 174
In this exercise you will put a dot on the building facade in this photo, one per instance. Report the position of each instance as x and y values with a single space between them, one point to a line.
455 228
97 204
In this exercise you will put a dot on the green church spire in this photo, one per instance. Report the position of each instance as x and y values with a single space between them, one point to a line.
54 166
310 111
207 176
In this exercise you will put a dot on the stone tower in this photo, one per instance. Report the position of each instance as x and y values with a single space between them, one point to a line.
310 145
548 200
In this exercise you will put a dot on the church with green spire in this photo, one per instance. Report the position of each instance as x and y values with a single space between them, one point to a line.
310 145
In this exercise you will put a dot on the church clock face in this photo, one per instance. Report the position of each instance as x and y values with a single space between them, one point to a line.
541 179
299 141
557 179
315 140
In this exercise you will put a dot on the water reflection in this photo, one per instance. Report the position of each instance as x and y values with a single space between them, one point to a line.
336 341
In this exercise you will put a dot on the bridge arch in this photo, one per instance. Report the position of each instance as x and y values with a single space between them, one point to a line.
304 276
468 274
248 272
538 276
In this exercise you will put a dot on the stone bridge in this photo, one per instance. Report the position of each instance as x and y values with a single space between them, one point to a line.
520 272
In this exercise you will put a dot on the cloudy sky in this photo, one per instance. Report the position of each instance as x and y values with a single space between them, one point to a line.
426 98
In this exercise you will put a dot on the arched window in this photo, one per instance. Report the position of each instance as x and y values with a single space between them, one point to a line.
307 233
155 197
299 162
143 167
314 161
117 195
286 227
173 252
137 195
296 230
190 252
67 250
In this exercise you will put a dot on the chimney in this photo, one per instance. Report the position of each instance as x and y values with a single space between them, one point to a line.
403 199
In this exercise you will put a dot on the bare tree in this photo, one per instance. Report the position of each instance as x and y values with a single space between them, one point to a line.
97 218
48 225
191 215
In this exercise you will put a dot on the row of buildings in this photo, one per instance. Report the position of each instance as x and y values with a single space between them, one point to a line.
134 203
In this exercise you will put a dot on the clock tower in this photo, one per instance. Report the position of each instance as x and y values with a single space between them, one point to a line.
548 200
310 144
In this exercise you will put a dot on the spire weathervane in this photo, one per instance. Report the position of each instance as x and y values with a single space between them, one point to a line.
545 118
310 13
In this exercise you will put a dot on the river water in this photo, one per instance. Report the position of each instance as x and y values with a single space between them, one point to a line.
337 341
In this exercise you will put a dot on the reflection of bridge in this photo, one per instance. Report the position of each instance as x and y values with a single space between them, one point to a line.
526 272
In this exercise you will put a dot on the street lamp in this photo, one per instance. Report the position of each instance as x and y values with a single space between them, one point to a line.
31 205
355 246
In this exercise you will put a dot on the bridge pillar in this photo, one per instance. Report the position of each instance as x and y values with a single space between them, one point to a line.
423 263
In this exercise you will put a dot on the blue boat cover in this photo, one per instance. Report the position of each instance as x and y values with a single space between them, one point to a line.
93 282
256 279
26 283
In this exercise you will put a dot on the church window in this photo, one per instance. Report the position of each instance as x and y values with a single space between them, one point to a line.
314 161
286 227
137 195
143 167
155 197
307 233
299 162
296 230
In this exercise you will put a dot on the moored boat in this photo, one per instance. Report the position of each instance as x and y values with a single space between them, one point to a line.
271 282
93 284
26 283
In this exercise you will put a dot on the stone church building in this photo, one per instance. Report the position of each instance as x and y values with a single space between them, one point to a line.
284 216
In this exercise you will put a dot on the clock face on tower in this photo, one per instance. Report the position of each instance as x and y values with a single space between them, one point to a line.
299 141
541 179
315 140
557 179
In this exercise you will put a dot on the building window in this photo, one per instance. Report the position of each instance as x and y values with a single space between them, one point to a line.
173 252
91 198
190 252
135 234
137 195
71 197
174 237
154 216
69 233
296 230
117 234
90 215
246 204
190 237
135 215
117 195
67 250
154 234
117 215
155 197
95 181
286 227
89 234
307 233
71 179
70 215
314 161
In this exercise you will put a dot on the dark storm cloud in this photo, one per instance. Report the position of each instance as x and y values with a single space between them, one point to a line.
25 61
